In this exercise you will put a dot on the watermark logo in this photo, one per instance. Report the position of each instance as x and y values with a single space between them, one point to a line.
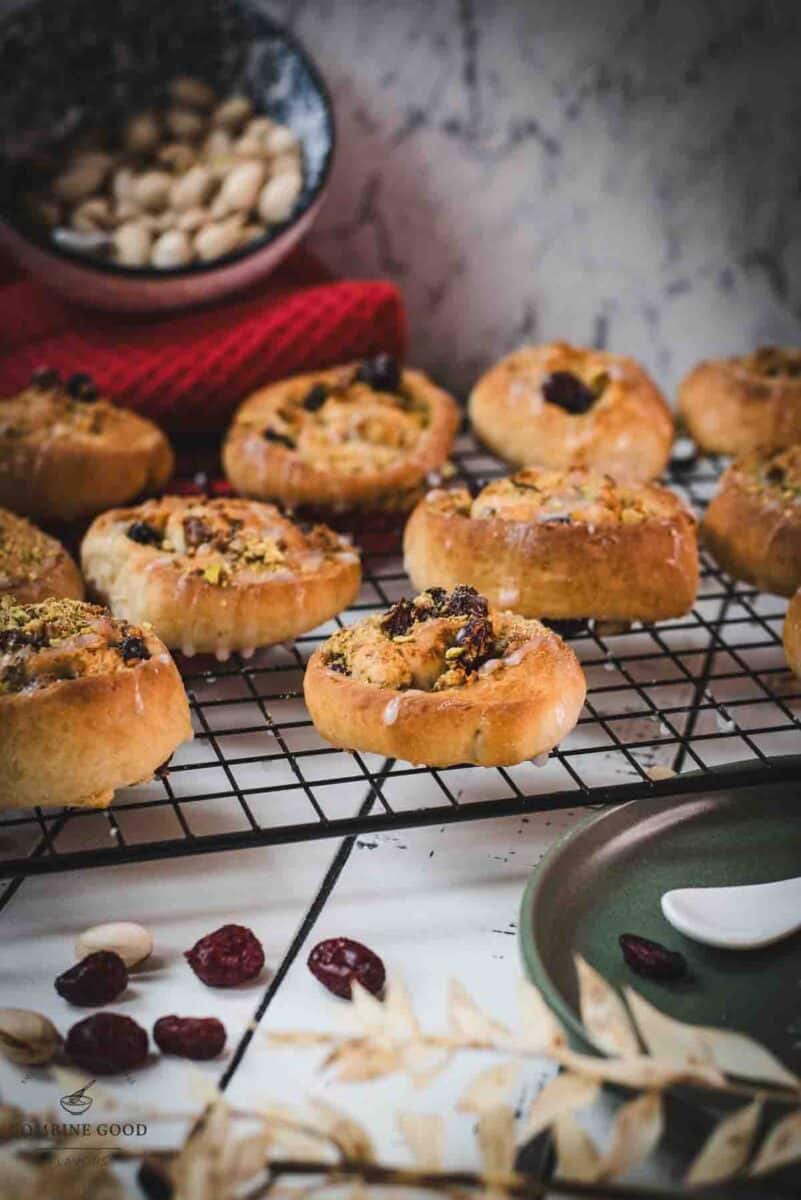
77 1103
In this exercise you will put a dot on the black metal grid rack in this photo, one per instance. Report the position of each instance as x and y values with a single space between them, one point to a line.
687 705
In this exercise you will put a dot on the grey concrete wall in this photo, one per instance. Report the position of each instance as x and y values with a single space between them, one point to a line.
625 173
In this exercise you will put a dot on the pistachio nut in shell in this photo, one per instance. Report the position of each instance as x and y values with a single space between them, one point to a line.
27 1037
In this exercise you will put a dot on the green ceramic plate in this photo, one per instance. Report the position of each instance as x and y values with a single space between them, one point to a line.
607 876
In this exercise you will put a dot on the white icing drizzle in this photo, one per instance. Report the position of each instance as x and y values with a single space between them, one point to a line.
391 710
248 651
222 653
559 514
525 390
188 648
488 667
508 595
83 639
540 760
158 561
515 658
724 722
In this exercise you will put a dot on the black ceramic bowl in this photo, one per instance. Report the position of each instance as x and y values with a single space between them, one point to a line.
66 65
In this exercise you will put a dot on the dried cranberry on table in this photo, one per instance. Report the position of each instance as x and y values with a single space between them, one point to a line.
189 1037
230 955
339 962
97 979
106 1044
652 959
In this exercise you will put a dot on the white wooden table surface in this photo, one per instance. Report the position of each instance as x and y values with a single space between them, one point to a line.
433 903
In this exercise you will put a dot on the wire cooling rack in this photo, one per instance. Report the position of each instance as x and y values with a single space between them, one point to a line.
687 705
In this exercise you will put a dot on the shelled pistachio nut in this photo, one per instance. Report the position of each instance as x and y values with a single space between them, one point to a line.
132 942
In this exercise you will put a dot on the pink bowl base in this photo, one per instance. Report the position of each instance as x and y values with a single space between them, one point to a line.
95 288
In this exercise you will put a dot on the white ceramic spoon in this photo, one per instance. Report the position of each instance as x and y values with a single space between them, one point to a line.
736 918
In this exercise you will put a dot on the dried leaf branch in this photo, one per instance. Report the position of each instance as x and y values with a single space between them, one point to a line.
281 1153
706 1058
646 1052
79 1185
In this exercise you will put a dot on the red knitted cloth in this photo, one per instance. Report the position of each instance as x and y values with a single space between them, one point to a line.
189 371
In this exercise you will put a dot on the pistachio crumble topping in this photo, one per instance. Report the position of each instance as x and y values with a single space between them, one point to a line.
437 641
355 420
25 551
41 644
223 541
568 377
562 497
774 361
776 475
51 407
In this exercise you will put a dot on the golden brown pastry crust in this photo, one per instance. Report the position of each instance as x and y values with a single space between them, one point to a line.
750 402
212 576
440 680
753 524
361 448
63 457
87 704
560 544
792 634
628 430
34 565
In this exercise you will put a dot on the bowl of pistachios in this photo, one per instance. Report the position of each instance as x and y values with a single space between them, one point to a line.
156 154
